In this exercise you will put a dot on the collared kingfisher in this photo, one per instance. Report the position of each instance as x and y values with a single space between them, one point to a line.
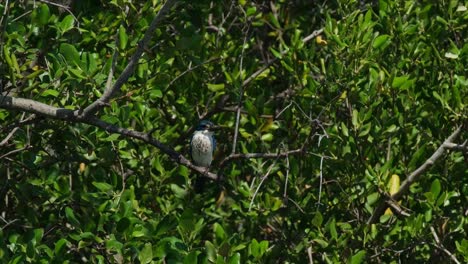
203 144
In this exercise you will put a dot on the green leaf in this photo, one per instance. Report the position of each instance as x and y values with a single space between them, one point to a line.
71 216
317 220
358 257
166 224
70 54
112 137
192 257
365 130
43 14
417 157
234 259
123 38
50 92
428 215
321 242
155 93
267 137
66 24
276 53
354 119
114 245
258 249
102 186
178 191
60 246
219 232
372 198
77 73
146 254
450 55
400 81
435 188
391 129
344 129
251 11
381 42
210 251
215 87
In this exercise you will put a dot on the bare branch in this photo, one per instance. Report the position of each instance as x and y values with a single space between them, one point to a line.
5 140
64 7
309 253
460 147
27 105
415 175
261 182
15 151
439 245
396 208
241 93
260 155
31 106
266 66
128 71
174 155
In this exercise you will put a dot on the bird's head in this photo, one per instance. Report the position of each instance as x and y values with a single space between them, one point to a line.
205 125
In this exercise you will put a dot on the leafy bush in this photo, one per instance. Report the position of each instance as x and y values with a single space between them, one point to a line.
330 99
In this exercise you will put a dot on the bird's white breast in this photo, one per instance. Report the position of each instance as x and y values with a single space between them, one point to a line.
202 148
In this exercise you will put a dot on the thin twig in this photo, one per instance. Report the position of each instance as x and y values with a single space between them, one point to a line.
5 140
190 69
115 56
261 182
321 182
309 253
266 66
244 112
241 92
67 8
4 17
285 193
15 151
259 155
441 246
8 223
296 204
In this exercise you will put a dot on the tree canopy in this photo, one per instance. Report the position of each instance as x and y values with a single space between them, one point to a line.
343 131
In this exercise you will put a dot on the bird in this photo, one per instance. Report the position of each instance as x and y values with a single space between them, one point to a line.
203 144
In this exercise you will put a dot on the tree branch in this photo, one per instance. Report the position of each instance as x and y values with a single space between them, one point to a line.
259 155
415 175
440 246
27 105
109 93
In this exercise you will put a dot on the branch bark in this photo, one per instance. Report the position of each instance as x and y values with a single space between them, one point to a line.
259 155
109 93
415 175
27 105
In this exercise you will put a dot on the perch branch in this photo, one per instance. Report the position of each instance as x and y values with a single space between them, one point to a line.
27 105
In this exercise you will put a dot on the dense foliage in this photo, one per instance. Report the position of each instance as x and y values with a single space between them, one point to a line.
373 92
